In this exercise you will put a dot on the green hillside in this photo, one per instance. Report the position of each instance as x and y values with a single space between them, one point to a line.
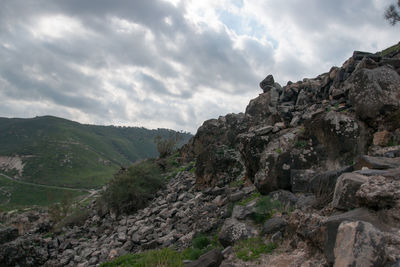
60 152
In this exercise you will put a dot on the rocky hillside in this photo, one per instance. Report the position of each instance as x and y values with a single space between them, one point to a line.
309 175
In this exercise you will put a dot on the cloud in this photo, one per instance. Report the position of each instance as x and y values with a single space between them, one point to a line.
170 63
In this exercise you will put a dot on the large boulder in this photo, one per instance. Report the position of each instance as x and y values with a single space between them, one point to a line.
359 244
380 192
264 108
332 224
347 185
232 230
337 137
218 165
374 92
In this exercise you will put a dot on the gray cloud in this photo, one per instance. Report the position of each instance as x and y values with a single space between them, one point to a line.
148 63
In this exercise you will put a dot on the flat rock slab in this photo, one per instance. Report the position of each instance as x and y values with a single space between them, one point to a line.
380 163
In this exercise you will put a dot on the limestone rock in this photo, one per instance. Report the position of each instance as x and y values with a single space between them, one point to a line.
345 190
374 92
359 244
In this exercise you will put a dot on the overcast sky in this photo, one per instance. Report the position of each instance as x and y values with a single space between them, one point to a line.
170 64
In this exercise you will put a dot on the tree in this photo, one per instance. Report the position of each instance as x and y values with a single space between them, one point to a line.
167 146
392 13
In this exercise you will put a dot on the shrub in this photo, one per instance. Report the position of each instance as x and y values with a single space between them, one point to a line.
200 241
76 218
130 190
265 208
167 146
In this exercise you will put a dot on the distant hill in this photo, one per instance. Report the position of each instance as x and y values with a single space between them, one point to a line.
55 151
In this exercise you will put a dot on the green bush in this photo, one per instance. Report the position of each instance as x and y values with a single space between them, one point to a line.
252 248
265 208
76 218
200 241
130 190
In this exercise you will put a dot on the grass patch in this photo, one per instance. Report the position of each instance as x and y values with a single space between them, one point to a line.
27 195
237 183
252 248
301 144
200 244
152 258
167 257
390 50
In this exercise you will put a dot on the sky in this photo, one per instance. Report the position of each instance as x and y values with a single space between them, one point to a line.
171 64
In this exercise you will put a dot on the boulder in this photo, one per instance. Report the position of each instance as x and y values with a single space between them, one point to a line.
263 108
331 226
346 187
232 230
380 192
323 184
374 92
218 165
359 244
242 212
213 258
274 225
267 83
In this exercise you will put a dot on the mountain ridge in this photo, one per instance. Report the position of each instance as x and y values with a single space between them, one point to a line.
61 142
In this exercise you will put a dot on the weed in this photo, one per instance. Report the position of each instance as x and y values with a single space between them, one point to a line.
278 150
250 198
251 249
301 144
236 183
